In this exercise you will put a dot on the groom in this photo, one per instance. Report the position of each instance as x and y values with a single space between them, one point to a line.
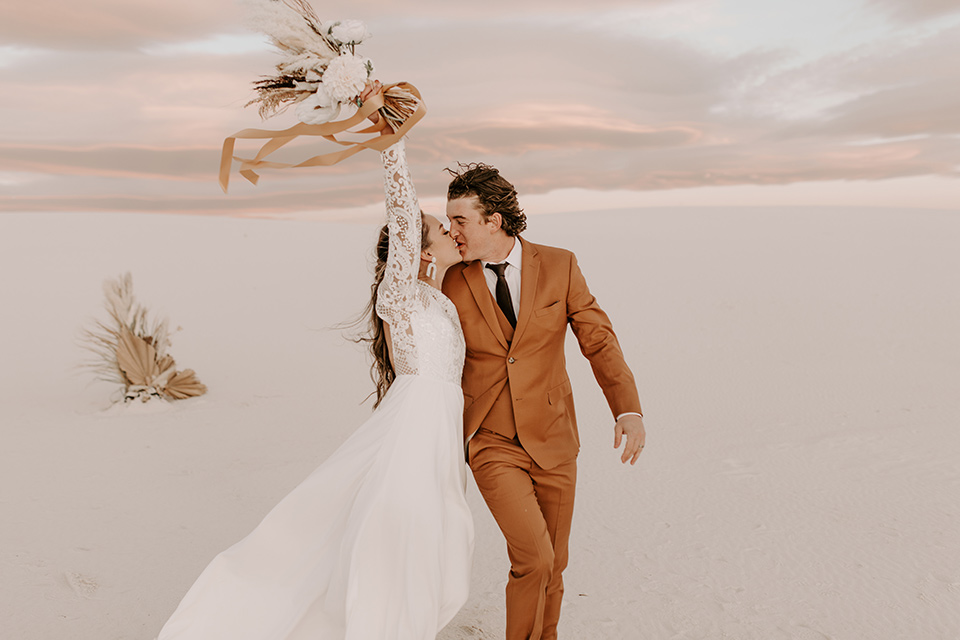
515 300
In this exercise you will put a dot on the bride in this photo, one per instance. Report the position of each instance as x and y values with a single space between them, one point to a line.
377 542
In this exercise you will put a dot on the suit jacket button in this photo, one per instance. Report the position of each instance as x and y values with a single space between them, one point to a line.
511 360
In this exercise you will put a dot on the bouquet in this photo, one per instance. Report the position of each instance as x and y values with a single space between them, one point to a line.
323 75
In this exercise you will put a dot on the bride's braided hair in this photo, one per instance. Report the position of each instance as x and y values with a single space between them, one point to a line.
494 192
382 372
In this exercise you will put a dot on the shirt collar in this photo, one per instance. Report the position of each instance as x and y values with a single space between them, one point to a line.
514 258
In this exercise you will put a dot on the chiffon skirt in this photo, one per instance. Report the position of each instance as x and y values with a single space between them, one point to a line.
375 544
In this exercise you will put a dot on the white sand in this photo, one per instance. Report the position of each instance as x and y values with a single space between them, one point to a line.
800 371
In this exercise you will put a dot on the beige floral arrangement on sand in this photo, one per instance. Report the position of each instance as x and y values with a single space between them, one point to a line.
131 350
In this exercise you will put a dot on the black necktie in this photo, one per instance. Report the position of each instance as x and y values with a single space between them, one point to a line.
503 293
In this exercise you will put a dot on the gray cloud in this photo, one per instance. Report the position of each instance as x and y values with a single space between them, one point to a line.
918 9
876 90
924 108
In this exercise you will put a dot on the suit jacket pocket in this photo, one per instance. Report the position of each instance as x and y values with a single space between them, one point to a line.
553 307
556 395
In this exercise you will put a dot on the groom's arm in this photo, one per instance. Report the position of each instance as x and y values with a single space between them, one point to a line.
600 346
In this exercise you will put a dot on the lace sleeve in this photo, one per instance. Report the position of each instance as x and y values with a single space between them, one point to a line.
397 293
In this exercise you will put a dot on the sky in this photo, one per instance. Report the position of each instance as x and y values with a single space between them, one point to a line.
122 105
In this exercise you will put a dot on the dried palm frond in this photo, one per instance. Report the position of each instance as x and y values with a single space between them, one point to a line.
167 368
184 384
132 352
137 359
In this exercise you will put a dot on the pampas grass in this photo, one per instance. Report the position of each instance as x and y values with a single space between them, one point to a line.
131 349
292 26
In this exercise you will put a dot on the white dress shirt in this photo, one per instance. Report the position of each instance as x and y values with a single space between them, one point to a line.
511 274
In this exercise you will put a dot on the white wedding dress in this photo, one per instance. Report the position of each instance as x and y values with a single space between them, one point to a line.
376 543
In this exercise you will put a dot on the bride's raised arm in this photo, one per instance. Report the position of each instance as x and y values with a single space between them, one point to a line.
397 292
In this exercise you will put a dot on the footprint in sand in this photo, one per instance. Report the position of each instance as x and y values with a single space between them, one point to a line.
803 632
738 468
83 586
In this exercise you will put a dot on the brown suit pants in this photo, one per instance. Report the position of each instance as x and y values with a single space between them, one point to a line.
534 508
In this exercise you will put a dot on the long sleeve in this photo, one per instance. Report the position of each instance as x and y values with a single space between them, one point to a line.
599 344
397 293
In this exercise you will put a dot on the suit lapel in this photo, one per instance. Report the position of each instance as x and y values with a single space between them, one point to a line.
529 273
473 274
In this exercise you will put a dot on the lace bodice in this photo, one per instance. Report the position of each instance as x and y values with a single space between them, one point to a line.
424 326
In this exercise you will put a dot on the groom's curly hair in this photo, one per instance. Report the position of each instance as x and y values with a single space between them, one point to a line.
494 192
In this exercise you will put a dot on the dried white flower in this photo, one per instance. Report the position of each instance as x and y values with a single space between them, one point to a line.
349 31
346 75
318 108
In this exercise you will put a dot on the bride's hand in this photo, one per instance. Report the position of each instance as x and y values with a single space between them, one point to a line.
373 88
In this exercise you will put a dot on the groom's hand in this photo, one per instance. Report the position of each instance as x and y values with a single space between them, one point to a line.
630 425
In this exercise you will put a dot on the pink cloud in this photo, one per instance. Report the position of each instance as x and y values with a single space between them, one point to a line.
118 24
123 129
265 203
112 24
144 184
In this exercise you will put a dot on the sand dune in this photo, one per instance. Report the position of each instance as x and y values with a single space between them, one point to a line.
800 371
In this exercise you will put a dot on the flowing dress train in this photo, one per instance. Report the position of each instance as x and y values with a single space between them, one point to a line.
376 543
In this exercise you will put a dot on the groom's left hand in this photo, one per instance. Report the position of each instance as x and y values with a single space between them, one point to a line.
630 425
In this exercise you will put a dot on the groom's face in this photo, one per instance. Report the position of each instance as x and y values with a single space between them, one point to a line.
474 234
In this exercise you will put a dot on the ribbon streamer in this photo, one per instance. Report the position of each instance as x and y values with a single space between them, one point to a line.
328 130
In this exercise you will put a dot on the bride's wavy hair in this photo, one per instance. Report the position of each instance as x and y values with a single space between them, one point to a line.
382 372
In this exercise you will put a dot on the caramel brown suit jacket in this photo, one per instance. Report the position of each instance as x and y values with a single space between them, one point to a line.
515 381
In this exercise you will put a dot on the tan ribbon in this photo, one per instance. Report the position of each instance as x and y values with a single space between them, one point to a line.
328 130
